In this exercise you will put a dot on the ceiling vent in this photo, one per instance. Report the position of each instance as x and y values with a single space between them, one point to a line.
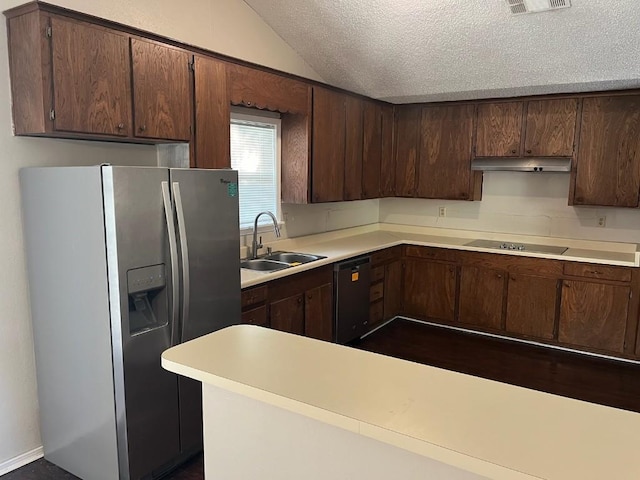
533 6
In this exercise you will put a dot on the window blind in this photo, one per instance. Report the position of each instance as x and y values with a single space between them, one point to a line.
254 155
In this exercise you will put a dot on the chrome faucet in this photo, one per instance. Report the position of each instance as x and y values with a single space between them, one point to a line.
256 245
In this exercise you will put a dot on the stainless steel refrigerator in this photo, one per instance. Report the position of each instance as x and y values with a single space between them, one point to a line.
123 263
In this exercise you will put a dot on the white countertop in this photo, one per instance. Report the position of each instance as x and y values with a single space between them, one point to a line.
343 244
490 428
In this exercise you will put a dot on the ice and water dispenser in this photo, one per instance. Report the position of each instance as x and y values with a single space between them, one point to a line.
148 305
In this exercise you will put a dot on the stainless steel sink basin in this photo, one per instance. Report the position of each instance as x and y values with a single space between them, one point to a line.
291 257
279 261
264 265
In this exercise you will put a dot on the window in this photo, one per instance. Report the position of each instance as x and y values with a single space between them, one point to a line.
255 154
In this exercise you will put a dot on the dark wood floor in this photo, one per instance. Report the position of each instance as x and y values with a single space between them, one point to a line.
44 470
596 380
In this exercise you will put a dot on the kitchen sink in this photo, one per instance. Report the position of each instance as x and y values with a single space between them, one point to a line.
291 257
263 265
279 261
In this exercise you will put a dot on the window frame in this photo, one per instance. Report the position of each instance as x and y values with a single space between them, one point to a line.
244 114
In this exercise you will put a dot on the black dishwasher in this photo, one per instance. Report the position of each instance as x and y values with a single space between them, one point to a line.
351 282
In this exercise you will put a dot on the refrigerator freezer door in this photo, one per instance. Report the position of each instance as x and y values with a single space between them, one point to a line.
140 284
207 212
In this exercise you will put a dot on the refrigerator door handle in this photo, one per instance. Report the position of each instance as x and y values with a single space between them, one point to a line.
173 250
185 257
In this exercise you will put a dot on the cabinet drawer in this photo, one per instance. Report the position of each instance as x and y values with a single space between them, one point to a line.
441 254
377 273
376 292
255 295
376 313
385 255
602 272
256 316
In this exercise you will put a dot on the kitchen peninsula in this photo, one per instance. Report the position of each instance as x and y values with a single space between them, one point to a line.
278 405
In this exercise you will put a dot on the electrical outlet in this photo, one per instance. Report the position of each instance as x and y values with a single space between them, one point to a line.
602 221
442 211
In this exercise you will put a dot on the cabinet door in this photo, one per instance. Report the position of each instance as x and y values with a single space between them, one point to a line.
551 128
392 289
499 129
371 150
318 314
444 169
161 92
328 145
429 290
531 305
608 165
353 149
387 158
407 137
288 314
212 114
481 296
593 315
91 78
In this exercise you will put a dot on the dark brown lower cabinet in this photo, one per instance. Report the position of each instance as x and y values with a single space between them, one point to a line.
256 316
531 305
481 297
392 300
385 294
287 314
429 290
303 303
318 315
594 315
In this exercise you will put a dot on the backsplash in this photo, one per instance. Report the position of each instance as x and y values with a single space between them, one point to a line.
522 203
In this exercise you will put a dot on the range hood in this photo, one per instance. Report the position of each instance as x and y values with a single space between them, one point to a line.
528 164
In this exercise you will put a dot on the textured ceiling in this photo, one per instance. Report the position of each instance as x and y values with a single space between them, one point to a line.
429 50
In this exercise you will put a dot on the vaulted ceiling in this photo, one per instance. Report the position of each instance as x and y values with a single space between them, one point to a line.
430 50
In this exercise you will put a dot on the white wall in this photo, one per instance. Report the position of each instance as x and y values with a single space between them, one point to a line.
226 26
514 202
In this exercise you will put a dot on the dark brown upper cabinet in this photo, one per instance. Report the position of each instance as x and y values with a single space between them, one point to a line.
353 148
328 145
68 77
212 114
550 128
387 157
499 129
407 134
372 150
255 88
91 78
607 169
76 79
535 128
444 161
161 91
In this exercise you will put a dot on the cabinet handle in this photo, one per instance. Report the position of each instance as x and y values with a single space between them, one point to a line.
513 151
309 297
499 276
567 284
300 300
595 272
528 151
143 128
513 278
120 126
